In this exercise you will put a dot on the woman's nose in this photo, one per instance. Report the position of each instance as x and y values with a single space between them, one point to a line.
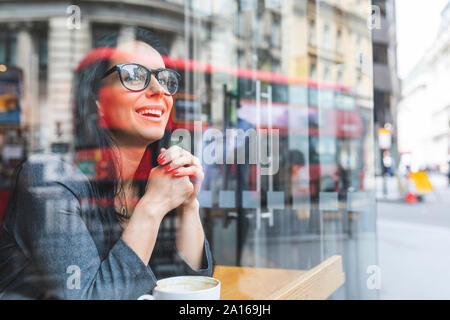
154 87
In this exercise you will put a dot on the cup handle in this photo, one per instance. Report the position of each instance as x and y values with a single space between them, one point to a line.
146 297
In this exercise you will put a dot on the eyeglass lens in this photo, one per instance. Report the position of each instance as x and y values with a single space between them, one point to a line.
135 77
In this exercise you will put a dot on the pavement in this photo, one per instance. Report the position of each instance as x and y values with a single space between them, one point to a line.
413 244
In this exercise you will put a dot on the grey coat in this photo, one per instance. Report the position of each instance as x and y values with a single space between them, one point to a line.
58 241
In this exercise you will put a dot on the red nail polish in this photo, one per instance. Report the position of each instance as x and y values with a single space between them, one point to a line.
167 168
175 172
161 159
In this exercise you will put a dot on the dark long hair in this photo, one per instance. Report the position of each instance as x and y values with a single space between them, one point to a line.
89 134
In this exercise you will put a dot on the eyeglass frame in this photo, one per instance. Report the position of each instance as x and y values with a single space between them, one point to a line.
118 68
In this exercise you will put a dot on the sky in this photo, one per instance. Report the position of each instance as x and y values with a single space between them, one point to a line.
417 25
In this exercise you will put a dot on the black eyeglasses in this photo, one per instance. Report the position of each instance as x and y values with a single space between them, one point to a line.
136 77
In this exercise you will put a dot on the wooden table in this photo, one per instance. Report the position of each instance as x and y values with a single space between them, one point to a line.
243 283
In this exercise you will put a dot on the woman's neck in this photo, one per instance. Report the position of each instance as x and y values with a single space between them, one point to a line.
129 159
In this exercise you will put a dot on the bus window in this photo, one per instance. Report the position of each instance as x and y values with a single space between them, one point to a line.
247 89
298 95
312 97
280 93
344 101
326 99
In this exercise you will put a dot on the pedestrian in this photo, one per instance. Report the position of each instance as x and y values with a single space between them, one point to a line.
388 163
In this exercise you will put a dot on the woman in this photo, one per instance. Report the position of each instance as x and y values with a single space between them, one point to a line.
65 236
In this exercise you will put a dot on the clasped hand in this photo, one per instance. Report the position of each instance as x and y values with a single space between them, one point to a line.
175 182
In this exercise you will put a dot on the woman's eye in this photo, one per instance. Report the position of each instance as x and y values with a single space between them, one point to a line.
130 79
135 78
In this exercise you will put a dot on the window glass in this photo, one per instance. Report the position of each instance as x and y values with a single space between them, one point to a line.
271 100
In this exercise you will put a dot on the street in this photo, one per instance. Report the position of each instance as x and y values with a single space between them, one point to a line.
413 245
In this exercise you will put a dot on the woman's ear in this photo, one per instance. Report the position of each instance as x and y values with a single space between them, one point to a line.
99 108
100 115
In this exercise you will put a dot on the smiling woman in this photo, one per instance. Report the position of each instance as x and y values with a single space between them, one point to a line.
107 229
137 88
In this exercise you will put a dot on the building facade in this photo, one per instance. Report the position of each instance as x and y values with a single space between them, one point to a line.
424 109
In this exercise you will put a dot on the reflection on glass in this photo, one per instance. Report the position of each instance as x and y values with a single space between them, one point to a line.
263 85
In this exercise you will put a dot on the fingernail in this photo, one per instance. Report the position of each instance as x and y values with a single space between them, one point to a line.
161 159
175 172
167 168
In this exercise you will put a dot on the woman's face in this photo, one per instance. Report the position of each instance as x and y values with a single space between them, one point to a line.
133 117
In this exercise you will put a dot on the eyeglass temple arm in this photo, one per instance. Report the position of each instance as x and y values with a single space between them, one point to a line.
113 69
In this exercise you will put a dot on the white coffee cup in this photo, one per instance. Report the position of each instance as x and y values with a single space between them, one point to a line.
185 288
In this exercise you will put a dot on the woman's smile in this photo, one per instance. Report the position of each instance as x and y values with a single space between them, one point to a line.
153 113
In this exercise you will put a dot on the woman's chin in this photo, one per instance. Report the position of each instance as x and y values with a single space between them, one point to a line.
149 130
152 135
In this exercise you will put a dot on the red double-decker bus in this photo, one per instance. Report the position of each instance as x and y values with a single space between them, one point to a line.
319 120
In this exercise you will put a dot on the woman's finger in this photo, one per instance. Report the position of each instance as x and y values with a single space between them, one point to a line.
185 160
170 154
161 156
195 174
178 157
185 171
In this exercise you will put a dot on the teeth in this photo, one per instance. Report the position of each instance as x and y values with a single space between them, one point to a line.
151 111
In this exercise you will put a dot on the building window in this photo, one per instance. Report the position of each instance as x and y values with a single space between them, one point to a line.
340 74
339 41
241 58
326 37
276 65
238 25
8 45
276 32
43 54
312 71
380 53
326 74
312 33
248 5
